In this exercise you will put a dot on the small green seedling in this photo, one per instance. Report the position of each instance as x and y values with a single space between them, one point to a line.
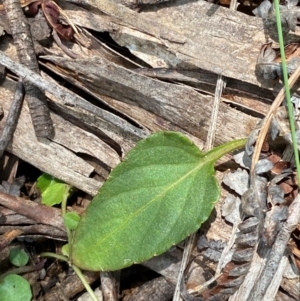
14 287
162 192
53 190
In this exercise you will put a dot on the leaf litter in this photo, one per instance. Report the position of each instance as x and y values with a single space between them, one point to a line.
273 201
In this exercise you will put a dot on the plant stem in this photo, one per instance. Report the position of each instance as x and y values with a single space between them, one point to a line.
76 270
84 282
69 233
54 255
287 89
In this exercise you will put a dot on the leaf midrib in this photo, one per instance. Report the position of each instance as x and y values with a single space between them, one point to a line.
156 198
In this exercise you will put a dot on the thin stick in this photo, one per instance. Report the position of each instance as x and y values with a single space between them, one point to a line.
39 213
189 243
12 117
209 144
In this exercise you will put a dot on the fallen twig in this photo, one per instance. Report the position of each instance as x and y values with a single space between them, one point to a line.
12 117
40 213
35 98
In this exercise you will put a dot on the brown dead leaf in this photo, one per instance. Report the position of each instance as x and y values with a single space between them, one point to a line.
280 166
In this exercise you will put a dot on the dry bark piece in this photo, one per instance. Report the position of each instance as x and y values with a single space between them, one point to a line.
176 16
156 289
157 97
110 284
70 286
12 188
60 157
206 81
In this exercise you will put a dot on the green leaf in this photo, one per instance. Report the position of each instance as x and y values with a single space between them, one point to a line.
14 287
65 250
71 220
162 192
18 257
53 190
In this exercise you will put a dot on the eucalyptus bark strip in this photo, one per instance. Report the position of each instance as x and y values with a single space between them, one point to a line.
35 98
